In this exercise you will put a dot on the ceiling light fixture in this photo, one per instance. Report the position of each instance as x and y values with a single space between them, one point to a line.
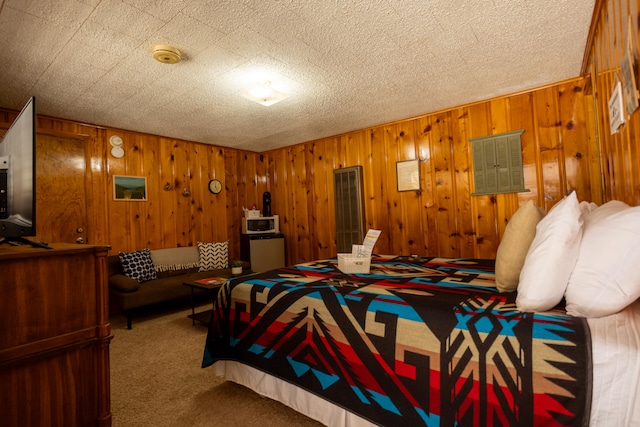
264 93
166 54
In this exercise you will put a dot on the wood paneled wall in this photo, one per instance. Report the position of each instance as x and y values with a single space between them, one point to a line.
443 218
620 153
167 218
559 155
566 146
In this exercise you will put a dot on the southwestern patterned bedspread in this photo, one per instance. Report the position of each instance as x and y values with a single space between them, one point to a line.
418 341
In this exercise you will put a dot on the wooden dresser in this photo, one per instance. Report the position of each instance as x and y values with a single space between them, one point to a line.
54 336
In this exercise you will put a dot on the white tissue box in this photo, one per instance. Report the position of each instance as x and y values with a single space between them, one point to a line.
349 264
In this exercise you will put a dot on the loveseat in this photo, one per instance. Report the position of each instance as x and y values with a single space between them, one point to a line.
171 268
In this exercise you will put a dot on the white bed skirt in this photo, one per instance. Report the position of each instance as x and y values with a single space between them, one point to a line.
615 343
294 397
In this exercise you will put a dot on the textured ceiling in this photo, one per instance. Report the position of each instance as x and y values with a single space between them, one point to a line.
347 64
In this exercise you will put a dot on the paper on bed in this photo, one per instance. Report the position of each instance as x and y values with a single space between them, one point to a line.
366 248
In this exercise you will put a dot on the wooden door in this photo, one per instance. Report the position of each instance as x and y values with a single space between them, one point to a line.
61 210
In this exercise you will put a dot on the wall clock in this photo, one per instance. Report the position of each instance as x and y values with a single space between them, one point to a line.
115 141
117 152
215 186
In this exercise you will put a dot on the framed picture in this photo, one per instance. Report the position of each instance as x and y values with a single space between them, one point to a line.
629 71
408 174
616 109
130 188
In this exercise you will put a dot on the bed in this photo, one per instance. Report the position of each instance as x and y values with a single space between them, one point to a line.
548 333
419 341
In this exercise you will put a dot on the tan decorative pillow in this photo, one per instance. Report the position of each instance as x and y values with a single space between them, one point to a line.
512 251
175 259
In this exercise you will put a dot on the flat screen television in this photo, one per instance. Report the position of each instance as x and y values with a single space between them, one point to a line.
18 179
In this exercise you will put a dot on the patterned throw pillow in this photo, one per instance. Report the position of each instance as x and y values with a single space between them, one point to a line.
213 255
138 265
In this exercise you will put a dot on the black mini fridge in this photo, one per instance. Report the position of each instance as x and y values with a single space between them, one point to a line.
264 251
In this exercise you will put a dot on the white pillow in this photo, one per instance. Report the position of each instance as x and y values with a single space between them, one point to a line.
551 257
586 207
518 235
606 277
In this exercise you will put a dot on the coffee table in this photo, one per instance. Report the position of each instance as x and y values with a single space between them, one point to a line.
211 285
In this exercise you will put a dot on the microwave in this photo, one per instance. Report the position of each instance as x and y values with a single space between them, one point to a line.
262 224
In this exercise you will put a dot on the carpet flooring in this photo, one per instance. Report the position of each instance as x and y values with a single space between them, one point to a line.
157 381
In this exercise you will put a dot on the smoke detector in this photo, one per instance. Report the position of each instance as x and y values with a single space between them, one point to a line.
166 54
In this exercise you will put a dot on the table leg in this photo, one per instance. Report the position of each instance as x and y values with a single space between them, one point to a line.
193 308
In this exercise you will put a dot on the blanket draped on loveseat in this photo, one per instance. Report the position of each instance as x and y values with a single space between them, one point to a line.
418 341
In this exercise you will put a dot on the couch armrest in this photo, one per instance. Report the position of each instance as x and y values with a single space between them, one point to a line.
123 283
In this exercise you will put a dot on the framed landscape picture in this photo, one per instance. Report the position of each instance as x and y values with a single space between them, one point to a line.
130 188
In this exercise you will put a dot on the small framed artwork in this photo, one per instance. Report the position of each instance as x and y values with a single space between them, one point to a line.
130 188
408 174
629 71
616 109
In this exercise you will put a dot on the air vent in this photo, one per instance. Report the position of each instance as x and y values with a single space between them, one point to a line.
349 201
